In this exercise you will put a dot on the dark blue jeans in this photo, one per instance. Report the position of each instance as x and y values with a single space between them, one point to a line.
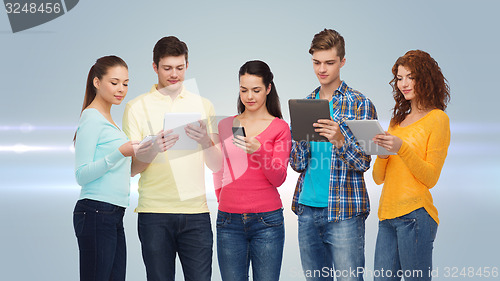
163 236
404 247
101 240
255 237
331 249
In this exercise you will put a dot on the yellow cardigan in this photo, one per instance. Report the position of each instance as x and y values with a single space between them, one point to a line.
409 175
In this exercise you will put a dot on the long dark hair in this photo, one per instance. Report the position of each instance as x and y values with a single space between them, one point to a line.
99 69
262 70
431 88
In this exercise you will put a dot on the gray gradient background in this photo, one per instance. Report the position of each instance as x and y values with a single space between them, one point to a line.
43 72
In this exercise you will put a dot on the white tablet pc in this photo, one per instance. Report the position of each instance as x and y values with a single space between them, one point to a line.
177 121
305 112
364 131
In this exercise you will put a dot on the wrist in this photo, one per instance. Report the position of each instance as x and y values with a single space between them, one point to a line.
338 143
207 144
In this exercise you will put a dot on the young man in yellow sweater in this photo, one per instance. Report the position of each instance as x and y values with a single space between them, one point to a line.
173 213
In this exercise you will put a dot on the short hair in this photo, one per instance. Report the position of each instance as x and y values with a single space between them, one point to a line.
169 46
431 87
328 39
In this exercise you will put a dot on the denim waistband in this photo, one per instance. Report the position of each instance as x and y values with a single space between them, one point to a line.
94 204
246 215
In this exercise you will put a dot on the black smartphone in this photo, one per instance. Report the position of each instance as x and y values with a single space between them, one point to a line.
239 131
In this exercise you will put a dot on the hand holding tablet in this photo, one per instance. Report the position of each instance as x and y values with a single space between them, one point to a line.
303 114
365 131
177 121
390 142
198 132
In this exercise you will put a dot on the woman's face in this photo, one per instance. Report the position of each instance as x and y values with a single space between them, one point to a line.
253 92
113 86
406 83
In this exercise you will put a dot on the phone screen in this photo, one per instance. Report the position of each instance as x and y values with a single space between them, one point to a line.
239 131
148 138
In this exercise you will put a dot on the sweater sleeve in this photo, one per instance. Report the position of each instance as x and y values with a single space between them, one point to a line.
274 162
428 170
87 168
217 176
379 170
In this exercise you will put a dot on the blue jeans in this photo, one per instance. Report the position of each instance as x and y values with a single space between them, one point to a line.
163 236
252 237
101 240
404 247
331 249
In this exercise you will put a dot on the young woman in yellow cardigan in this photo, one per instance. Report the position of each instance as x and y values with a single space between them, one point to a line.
419 133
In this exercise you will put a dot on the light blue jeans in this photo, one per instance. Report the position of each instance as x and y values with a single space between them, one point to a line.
404 247
331 249
255 237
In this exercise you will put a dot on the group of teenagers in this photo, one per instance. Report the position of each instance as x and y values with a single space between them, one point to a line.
330 199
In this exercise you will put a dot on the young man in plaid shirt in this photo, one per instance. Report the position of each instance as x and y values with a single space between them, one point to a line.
330 198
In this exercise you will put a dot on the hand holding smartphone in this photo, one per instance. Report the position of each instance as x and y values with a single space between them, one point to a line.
239 131
151 138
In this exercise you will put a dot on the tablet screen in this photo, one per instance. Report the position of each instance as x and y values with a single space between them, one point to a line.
364 131
305 112
176 121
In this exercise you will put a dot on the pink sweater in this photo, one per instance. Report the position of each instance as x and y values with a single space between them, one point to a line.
248 183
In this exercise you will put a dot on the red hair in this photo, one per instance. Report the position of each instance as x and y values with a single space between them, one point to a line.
431 88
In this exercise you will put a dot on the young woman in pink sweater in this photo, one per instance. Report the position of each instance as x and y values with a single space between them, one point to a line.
250 224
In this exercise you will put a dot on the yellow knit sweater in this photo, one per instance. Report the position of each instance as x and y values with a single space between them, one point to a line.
409 175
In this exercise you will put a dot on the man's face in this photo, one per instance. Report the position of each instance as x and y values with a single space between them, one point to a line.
327 65
171 71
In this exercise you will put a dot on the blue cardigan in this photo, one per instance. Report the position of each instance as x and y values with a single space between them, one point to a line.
101 169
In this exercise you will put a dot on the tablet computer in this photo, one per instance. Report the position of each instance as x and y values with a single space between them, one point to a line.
364 131
177 121
305 112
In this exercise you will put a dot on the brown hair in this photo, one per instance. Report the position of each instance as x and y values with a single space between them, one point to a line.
169 46
99 69
328 39
431 88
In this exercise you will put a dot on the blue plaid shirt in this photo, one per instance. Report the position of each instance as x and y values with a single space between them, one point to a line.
347 192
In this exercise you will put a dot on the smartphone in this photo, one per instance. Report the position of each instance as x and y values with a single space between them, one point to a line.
239 131
147 139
